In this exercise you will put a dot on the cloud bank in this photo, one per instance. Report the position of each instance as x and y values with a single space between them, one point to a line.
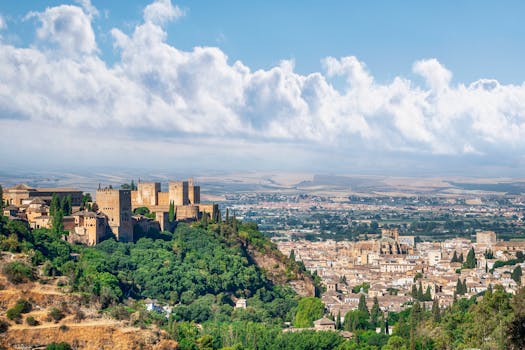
157 90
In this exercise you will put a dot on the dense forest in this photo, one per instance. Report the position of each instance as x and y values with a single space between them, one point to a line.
203 268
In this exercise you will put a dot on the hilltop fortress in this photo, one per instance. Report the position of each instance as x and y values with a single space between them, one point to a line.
113 211
185 196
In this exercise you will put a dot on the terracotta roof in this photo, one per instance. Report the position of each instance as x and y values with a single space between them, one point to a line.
21 187
324 322
57 189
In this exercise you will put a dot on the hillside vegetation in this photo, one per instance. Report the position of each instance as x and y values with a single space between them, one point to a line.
52 291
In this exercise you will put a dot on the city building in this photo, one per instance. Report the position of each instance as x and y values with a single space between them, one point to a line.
23 194
486 238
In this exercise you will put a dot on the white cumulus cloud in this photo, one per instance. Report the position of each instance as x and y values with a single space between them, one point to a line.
162 11
157 90
88 7
67 26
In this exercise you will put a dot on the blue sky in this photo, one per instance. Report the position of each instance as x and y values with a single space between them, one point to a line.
334 86
475 39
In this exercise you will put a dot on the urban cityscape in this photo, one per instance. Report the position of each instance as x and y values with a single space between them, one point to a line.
276 175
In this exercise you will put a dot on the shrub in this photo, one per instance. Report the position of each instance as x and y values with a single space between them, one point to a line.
55 314
23 305
13 314
4 326
31 321
63 328
18 272
58 346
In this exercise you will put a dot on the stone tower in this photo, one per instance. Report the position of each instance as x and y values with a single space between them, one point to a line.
194 193
116 205
178 192
147 193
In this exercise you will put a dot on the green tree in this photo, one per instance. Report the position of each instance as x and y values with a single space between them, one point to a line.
414 291
470 263
454 257
516 325
395 343
355 320
86 198
308 310
57 225
516 274
416 315
204 220
490 316
171 214
1 198
420 296
428 294
362 305
459 288
375 313
292 255
338 324
54 205
66 205
436 313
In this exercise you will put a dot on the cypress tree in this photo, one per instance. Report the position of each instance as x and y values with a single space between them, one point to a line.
66 205
234 225
57 224
414 291
55 205
470 263
338 320
415 318
375 312
460 259
454 257
1 198
428 295
459 288
436 314
362 305
516 274
227 215
171 213
205 220
420 292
